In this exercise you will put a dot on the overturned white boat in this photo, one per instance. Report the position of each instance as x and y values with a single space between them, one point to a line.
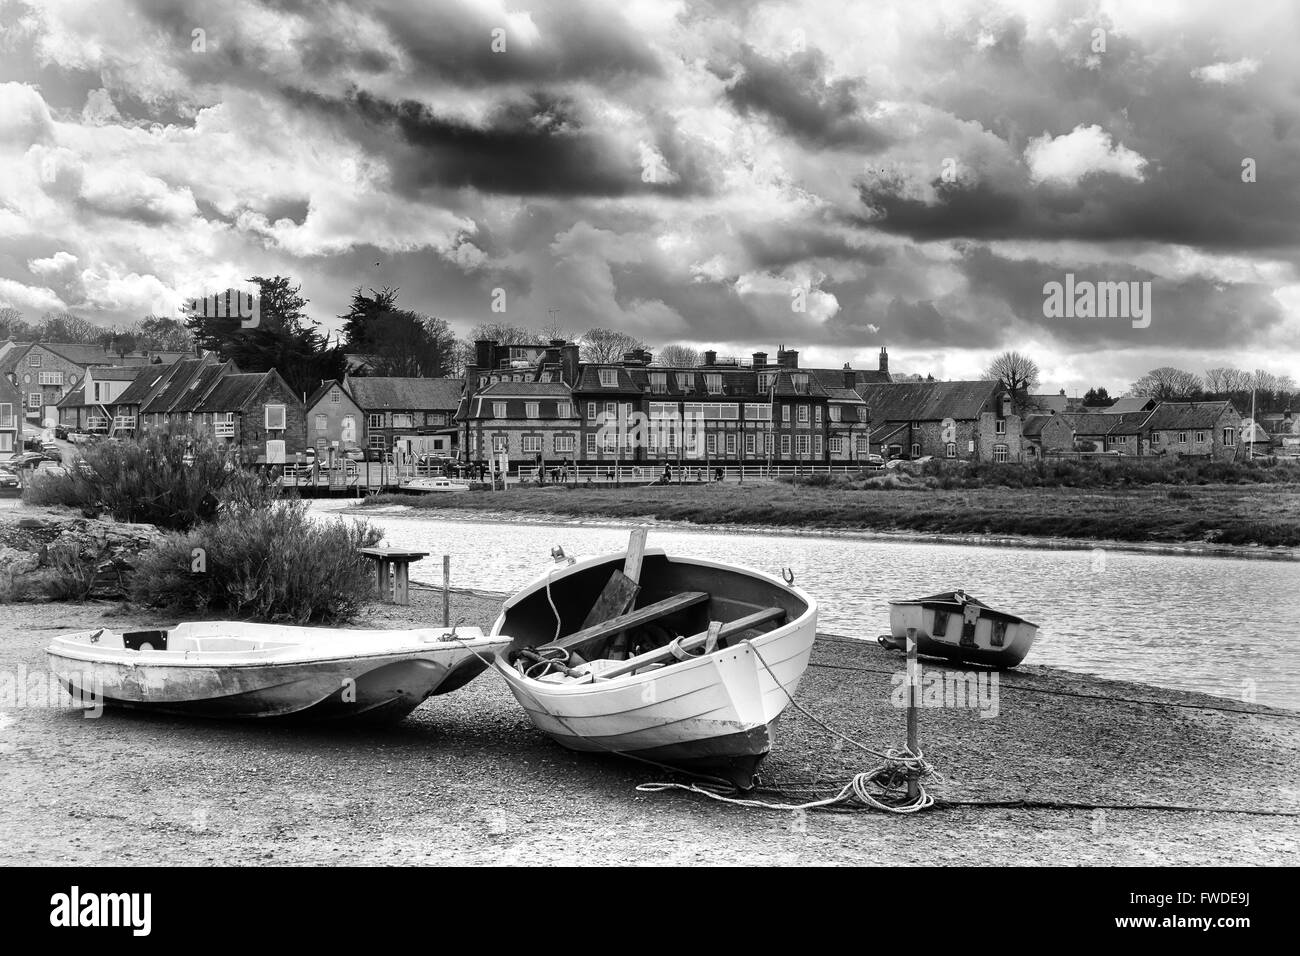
234 669
961 628
679 661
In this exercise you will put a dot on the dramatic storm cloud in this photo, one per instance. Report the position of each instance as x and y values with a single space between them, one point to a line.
729 175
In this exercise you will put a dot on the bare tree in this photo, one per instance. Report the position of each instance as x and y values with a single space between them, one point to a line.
1226 379
679 356
1016 372
607 345
1166 384
504 334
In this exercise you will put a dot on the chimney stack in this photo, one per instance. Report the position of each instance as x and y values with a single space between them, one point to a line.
710 357
760 359
787 358
850 377
884 359
569 363
485 353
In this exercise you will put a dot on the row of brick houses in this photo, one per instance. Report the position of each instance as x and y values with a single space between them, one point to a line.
1201 429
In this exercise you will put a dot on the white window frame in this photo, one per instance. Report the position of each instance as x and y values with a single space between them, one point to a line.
916 449
1000 427
375 420
500 443
785 413
834 411
785 446
608 377
803 414
713 383
34 360
802 446
1200 438
35 400
532 444
1001 453
591 411
591 444
837 446
403 420
498 409
1229 436
659 383
564 410
284 417
532 409
731 444
322 424
749 444
686 381
950 450
1182 438
564 444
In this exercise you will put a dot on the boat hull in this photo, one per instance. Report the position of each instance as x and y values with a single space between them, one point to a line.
360 687
712 715
996 639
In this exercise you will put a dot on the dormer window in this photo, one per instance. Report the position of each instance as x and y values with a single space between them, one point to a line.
766 380
609 378
659 383
800 383
685 381
713 383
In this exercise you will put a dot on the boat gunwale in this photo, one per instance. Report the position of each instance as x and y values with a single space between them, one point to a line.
925 603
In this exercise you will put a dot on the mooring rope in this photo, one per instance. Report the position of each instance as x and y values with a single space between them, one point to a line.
890 777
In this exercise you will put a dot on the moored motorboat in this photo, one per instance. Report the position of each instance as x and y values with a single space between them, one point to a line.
238 670
961 628
433 484
692 670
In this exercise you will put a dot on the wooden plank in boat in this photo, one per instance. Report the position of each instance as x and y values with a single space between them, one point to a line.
631 619
617 597
690 643
632 571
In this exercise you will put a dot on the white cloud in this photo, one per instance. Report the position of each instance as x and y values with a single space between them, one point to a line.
28 298
1085 150
53 265
1225 73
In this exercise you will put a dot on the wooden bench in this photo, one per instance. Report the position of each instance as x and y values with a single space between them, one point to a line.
625 622
398 562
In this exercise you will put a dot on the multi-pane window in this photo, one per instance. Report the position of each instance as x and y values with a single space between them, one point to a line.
500 443
564 444
685 381
758 413
950 450
800 383
817 446
766 380
6 415
403 420
564 410
498 409
532 444
1229 436
731 445
1001 453
33 399
532 409
916 450
611 412
377 441
49 378
659 383
863 447
817 409
785 414
801 446
322 423
591 411
1200 437
335 398
591 446
749 444
711 444
609 378
713 383
375 421
1000 427
1182 438
803 414
785 446
834 412
837 446
34 360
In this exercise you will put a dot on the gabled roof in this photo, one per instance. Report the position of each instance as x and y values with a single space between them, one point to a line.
1179 415
74 398
1050 403
843 395
232 392
1090 423
929 401
424 394
171 389
150 378
191 397
1130 403
1130 423
117 373
1032 426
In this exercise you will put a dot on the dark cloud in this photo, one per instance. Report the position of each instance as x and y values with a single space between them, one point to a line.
796 95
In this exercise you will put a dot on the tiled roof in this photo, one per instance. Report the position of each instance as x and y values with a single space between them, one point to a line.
1050 403
929 401
1178 415
191 397
526 389
834 377
1094 423
424 394
170 389
843 395
1032 426
74 398
628 382
119 373
152 376
1130 423
1128 403
232 392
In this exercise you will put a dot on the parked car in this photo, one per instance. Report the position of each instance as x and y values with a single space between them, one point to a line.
873 461
32 444
8 479
60 432
52 452
354 453
27 459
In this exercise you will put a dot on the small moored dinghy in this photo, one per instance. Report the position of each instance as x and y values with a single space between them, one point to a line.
233 669
433 485
961 628
658 657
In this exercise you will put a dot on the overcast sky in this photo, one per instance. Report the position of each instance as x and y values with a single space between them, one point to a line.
911 173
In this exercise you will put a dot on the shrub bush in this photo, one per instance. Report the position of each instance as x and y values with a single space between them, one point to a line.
147 479
272 563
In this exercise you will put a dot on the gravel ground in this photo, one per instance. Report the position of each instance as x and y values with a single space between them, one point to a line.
466 779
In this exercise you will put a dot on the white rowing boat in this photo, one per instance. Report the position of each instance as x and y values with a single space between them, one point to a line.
433 485
694 675
961 628
234 669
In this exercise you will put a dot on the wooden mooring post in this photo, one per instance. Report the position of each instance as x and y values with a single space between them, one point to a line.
913 708
446 590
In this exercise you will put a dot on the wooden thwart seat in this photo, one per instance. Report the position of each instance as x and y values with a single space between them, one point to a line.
625 622
716 632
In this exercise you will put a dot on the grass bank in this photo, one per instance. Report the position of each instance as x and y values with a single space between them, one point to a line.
1263 515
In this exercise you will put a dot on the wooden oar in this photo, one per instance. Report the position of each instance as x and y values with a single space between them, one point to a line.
697 640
